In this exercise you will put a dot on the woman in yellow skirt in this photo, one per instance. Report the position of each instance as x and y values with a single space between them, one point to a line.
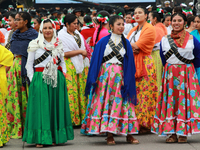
77 67
142 39
6 59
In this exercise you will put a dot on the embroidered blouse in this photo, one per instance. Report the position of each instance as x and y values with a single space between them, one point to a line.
116 39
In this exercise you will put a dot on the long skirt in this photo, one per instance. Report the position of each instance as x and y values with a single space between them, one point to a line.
16 101
159 67
178 107
106 109
76 92
4 133
48 116
147 94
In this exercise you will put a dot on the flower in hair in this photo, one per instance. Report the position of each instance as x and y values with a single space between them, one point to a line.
102 19
160 10
89 24
120 14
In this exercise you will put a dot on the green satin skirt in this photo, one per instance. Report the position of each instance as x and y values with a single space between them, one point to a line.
48 117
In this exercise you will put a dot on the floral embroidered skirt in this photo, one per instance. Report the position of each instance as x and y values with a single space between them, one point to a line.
16 100
48 116
4 133
147 94
178 107
76 92
106 109
159 67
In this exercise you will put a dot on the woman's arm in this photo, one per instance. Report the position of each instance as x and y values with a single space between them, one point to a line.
74 53
29 65
135 48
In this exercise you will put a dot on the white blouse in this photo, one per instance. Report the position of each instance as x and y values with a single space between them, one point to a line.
137 36
116 39
186 52
127 28
156 46
169 29
32 56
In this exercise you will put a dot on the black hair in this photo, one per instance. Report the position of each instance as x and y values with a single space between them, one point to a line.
129 13
65 11
143 8
103 13
178 9
189 20
120 10
181 15
156 15
69 18
26 16
46 21
87 19
52 17
12 15
38 10
1 16
7 14
39 20
112 20
167 15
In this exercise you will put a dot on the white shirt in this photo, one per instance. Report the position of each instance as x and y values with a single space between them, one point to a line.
186 52
137 36
169 29
156 46
127 28
6 37
116 39
32 56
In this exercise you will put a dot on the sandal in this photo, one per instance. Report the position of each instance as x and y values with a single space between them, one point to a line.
182 139
110 140
172 139
39 145
131 140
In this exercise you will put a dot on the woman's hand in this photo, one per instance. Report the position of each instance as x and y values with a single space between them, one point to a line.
7 69
136 51
84 53
1 66
135 48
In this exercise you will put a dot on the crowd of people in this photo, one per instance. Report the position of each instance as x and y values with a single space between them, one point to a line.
120 72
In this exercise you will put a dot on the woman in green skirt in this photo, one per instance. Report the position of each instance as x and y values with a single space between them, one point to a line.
48 119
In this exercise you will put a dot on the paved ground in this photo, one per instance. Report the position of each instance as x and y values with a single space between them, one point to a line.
147 142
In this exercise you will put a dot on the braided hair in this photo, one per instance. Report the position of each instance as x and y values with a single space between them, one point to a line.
103 13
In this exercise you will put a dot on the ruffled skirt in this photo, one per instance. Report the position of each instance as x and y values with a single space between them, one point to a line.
178 107
106 109
48 116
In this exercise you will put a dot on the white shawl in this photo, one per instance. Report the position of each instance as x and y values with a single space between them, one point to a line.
55 46
69 44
